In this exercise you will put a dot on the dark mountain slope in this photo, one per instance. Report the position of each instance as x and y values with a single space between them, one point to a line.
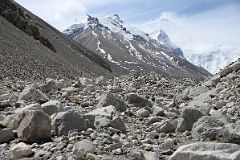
29 47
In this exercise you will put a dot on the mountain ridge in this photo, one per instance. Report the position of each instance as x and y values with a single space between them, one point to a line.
124 45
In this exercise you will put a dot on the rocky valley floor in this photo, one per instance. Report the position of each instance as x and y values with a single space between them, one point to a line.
136 116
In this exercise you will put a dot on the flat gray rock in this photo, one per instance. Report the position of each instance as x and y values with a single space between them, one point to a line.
208 151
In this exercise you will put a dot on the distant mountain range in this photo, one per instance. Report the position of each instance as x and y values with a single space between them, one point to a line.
211 57
129 49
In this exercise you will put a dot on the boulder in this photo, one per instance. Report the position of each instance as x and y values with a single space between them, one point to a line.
118 124
109 99
168 126
82 148
6 135
101 122
151 156
231 68
11 121
108 111
196 91
138 101
142 113
7 100
157 111
20 151
204 124
64 122
30 107
189 116
48 86
32 94
34 126
105 116
229 133
208 151
52 107
218 115
167 144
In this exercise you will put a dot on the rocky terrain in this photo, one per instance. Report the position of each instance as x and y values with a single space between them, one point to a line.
142 116
31 48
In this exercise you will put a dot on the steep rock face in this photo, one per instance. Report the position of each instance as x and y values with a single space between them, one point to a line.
31 48
165 40
129 49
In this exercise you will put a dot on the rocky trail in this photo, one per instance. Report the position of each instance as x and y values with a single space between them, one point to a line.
141 116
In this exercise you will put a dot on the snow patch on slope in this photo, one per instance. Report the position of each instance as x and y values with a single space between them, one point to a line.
109 57
95 34
100 49
133 51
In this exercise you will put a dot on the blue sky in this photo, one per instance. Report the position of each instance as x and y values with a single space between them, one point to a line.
136 11
200 18
61 13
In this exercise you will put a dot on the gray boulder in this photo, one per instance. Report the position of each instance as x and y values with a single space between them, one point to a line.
52 107
34 126
11 121
64 122
142 113
32 94
189 116
157 111
7 100
231 68
104 111
101 122
109 99
6 135
208 151
48 86
138 101
30 107
20 150
151 156
82 148
204 124
196 91
230 133
105 116
168 126
118 124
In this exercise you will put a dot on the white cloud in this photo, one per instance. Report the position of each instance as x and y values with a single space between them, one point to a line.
59 13
217 26
62 13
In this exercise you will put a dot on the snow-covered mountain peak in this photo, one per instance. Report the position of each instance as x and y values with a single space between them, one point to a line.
128 48
114 17
163 36
165 40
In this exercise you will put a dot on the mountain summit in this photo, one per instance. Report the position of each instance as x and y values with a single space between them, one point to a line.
165 40
129 49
